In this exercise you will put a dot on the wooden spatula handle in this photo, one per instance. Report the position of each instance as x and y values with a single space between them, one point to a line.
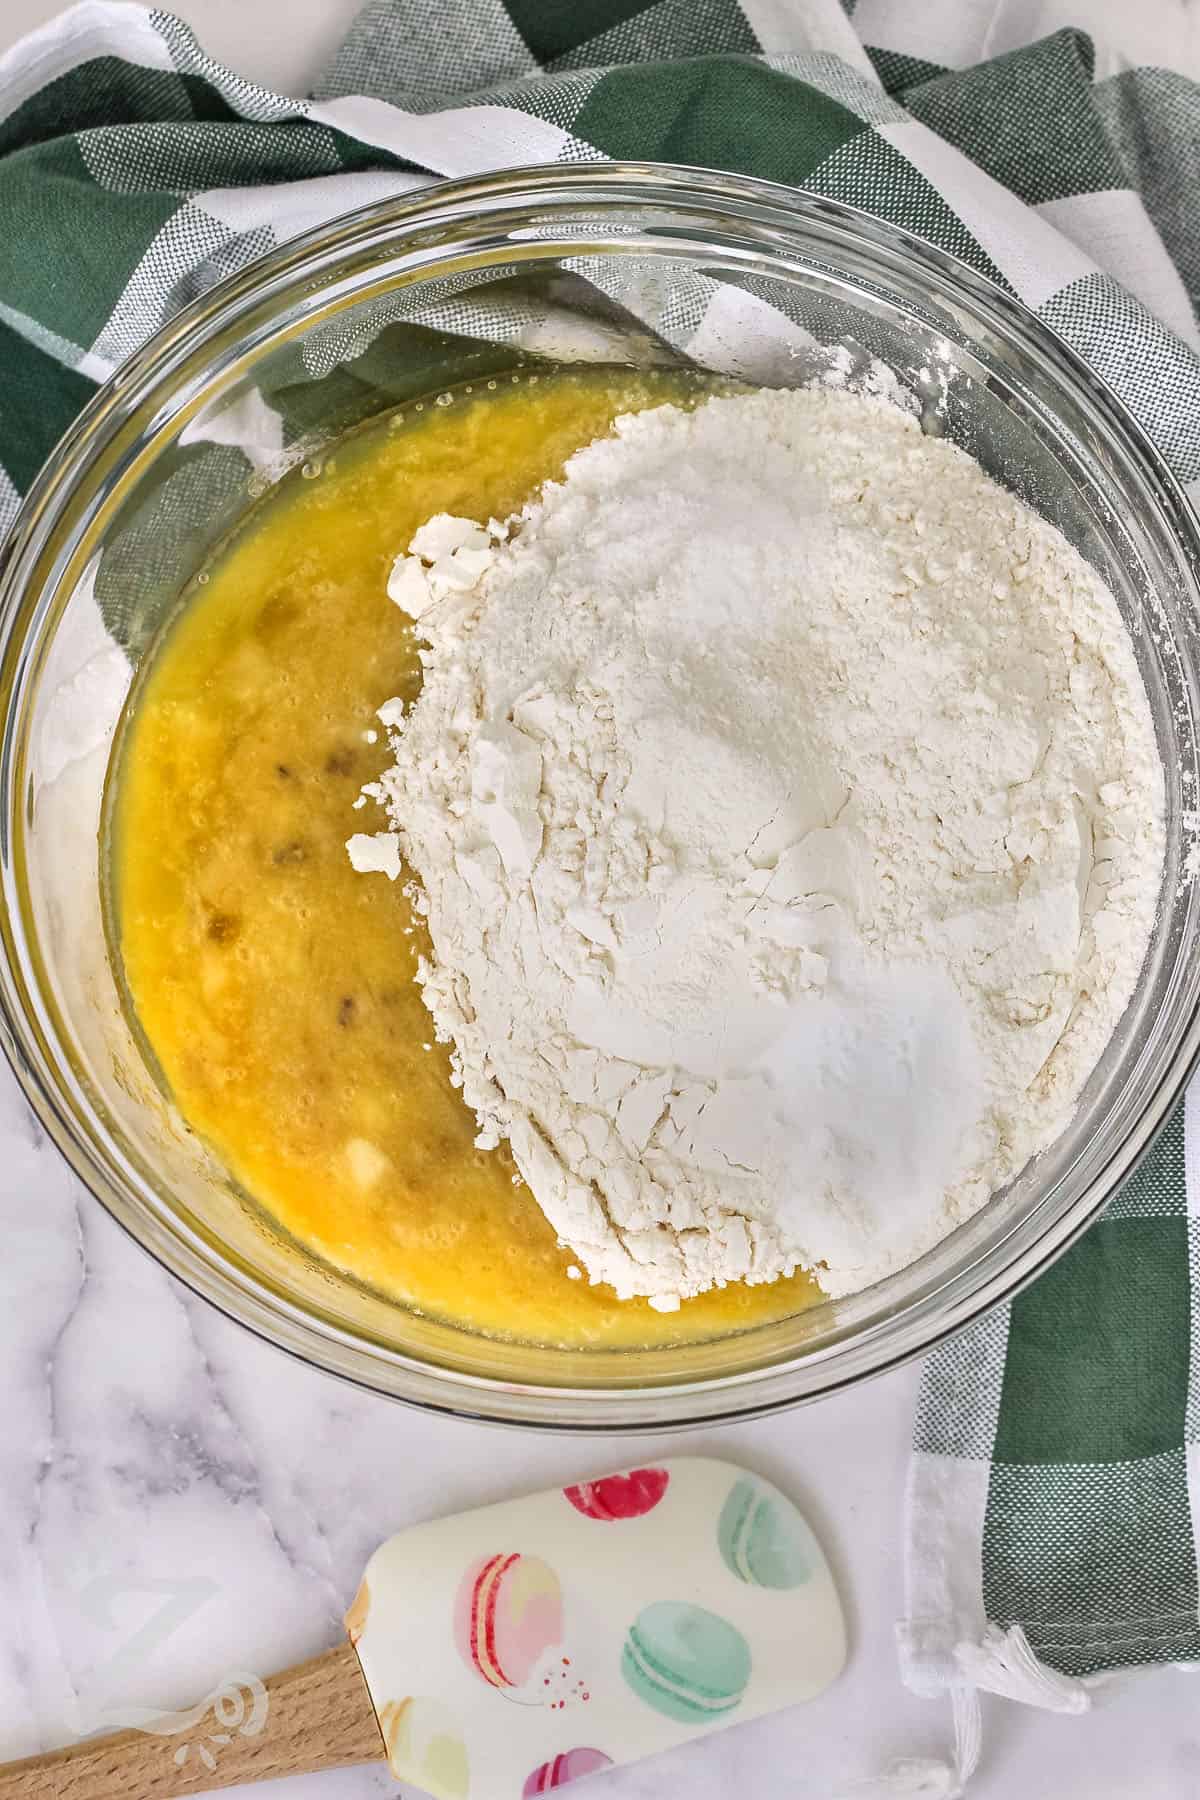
318 1715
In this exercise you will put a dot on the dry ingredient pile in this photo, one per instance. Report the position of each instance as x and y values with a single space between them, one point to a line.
784 802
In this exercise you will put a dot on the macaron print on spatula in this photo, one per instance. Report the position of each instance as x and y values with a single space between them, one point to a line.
508 1651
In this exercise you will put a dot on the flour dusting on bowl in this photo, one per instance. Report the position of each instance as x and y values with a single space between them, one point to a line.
787 814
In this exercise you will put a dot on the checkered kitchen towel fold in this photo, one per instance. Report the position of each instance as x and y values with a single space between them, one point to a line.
1056 1481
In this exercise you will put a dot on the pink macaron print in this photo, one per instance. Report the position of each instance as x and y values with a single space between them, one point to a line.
507 1614
627 1496
560 1769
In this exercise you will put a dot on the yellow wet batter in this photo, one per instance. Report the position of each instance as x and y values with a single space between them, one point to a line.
273 984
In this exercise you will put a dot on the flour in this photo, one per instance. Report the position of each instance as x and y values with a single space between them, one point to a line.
784 801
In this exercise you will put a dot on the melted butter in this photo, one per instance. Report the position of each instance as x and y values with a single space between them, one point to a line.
273 984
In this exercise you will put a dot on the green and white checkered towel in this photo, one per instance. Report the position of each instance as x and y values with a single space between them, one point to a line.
1055 1495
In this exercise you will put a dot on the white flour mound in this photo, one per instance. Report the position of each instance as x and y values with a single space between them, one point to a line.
786 808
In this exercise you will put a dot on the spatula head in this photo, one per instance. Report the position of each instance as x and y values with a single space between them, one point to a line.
512 1650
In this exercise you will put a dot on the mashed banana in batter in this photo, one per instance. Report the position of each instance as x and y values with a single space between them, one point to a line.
273 985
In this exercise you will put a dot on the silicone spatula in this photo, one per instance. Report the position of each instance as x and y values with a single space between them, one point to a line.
505 1652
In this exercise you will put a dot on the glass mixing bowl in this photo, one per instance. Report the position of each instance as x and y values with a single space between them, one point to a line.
620 263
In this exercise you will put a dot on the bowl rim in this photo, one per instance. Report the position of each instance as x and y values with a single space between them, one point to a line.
250 1300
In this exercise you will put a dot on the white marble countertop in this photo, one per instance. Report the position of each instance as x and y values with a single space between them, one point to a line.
179 1502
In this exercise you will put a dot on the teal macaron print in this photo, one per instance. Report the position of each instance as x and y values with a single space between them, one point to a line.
762 1538
686 1662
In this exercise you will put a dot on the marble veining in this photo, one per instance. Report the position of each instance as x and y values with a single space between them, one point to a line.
182 1505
